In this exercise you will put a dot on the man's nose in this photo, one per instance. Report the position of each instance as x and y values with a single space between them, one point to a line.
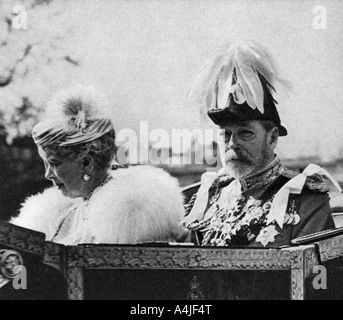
232 143
49 174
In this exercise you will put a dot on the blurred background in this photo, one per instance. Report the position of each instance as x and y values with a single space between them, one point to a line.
144 56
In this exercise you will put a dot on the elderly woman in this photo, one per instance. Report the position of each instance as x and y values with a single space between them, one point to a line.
89 203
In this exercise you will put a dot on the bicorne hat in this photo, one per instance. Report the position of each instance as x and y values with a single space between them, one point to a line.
238 85
237 108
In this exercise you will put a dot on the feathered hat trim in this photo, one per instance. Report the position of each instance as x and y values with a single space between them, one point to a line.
75 115
238 85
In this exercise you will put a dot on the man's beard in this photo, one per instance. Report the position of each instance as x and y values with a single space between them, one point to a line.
239 164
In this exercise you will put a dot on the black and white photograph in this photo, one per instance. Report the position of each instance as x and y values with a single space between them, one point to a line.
172 150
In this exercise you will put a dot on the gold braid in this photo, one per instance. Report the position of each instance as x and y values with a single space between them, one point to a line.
188 207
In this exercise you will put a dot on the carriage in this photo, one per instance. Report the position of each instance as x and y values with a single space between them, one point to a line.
165 271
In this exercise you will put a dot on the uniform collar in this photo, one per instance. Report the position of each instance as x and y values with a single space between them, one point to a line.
263 177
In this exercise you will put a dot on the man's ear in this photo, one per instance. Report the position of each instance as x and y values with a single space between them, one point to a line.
88 164
273 137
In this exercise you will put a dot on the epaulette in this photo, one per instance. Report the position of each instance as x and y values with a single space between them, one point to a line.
316 183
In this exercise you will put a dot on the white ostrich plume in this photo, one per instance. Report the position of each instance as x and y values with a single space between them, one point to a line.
247 61
78 105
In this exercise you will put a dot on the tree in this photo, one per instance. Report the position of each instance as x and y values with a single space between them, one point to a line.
35 60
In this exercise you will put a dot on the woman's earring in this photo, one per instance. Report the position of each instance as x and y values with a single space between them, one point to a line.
86 177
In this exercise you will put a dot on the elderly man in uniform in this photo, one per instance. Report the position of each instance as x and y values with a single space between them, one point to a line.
254 201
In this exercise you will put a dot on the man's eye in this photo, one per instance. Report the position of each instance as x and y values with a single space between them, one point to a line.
247 134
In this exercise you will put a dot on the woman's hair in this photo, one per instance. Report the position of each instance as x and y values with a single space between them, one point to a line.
102 150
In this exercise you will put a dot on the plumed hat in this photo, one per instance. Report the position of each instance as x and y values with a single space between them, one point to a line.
75 115
238 86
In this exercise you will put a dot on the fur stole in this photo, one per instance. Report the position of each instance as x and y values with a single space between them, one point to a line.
140 203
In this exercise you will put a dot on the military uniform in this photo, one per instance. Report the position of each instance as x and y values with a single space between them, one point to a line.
268 208
236 212
241 221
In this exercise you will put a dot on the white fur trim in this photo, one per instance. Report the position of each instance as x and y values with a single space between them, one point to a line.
140 203
43 212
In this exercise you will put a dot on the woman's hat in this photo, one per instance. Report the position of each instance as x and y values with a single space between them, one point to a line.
73 116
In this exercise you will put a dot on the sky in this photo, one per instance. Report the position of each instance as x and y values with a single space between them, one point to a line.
145 54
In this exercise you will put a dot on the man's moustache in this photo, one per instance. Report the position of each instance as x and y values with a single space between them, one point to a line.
236 156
